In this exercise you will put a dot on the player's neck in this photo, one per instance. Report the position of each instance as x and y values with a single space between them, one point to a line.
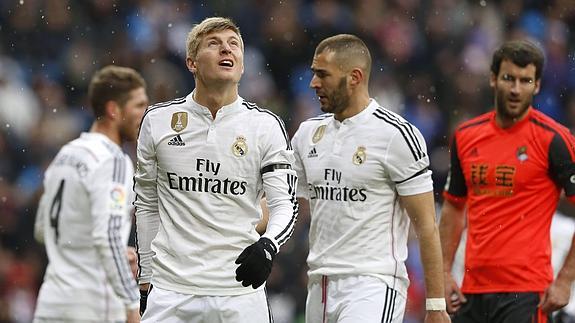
215 97
357 103
504 122
108 130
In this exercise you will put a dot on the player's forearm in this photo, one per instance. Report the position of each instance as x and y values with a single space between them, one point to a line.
147 226
421 209
432 264
451 225
147 217
262 225
112 254
567 272
39 223
280 187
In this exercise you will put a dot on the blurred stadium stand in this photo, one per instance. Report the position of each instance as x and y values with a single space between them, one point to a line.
431 64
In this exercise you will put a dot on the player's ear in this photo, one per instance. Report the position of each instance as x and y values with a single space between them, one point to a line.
492 80
356 77
112 110
537 86
191 64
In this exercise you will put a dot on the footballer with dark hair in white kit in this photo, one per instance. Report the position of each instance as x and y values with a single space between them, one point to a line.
364 171
85 213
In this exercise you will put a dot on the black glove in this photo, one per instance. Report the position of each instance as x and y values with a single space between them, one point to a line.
144 299
256 263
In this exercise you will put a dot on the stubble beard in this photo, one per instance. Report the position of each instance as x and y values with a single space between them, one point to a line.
126 134
506 113
338 99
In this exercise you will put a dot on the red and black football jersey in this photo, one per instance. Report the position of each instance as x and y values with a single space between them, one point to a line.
510 180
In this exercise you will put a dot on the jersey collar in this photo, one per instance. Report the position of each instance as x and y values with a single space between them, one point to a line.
102 137
360 117
226 109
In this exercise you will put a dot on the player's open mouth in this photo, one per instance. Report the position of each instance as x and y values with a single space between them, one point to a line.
227 63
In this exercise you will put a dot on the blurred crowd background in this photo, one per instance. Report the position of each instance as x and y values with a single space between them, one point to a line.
430 63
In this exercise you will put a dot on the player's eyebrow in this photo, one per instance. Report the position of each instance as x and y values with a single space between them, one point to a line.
319 71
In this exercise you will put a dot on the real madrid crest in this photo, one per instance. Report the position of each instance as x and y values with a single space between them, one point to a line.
359 156
179 121
239 147
318 134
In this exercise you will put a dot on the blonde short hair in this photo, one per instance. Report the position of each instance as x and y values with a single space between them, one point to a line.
208 26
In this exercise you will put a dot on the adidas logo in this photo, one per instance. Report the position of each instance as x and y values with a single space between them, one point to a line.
312 153
176 141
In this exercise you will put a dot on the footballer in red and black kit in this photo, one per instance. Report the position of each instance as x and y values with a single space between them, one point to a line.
508 169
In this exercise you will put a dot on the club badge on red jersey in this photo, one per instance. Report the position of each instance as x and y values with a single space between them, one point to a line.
522 153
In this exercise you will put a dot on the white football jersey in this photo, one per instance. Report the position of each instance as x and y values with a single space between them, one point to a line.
198 184
84 219
352 173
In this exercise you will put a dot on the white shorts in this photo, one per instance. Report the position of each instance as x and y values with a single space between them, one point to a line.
352 299
172 307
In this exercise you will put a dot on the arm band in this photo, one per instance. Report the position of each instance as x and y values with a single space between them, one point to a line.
272 167
435 304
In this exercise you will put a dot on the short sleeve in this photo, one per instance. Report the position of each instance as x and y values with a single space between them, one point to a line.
407 161
561 162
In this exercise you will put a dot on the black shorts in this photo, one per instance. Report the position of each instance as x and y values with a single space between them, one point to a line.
501 308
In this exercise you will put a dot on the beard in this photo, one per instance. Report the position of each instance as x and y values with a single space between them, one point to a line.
507 113
338 100
127 134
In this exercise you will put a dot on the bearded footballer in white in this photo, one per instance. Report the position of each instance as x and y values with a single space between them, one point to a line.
362 168
84 217
204 162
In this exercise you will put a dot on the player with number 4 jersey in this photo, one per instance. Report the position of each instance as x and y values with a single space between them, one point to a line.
84 216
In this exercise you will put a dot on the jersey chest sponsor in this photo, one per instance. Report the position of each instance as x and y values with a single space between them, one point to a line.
333 190
337 193
207 180
200 183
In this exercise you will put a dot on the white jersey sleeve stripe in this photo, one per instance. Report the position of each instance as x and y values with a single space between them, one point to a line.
120 260
119 172
423 171
395 121
281 238
167 103
253 106
320 117
406 131
406 125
